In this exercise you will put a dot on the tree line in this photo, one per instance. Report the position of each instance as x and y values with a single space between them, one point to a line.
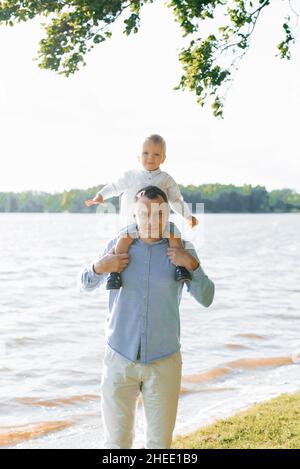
217 198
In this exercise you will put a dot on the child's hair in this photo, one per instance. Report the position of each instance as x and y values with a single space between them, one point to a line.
155 138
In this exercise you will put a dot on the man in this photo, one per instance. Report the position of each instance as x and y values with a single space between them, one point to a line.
142 351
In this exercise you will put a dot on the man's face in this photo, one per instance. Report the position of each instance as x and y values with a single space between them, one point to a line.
152 216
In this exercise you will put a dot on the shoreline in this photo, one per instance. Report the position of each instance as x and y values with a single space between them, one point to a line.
274 423
249 427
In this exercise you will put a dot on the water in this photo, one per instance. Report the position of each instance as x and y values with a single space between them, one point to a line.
52 336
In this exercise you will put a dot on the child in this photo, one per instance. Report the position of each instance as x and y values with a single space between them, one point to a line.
153 155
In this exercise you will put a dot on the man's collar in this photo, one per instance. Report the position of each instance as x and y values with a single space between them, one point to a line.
160 241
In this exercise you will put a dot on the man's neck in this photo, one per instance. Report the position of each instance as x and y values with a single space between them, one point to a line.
150 240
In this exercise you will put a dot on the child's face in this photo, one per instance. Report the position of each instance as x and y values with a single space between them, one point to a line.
151 156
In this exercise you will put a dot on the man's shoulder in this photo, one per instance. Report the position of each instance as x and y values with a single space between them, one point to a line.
112 241
108 245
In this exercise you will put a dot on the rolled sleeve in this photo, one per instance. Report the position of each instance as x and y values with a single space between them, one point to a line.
115 188
201 287
107 191
88 279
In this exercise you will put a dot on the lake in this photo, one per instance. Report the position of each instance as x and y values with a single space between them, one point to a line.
243 349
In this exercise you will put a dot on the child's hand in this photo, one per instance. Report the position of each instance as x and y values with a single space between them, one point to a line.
96 200
181 256
192 221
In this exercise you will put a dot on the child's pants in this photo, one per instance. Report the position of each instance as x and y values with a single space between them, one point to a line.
121 383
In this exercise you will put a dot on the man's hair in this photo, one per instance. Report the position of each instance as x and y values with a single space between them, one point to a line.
155 138
151 192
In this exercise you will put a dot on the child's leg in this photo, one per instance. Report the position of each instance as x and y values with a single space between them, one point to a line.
123 243
175 241
127 235
172 233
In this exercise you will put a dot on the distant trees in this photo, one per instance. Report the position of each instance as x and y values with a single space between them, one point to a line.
30 201
220 198
217 198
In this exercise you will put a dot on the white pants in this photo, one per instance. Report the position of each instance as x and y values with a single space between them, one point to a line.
121 383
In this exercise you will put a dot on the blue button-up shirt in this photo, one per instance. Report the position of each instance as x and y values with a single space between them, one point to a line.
144 313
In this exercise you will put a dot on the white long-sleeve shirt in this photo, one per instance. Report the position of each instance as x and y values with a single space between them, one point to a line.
132 180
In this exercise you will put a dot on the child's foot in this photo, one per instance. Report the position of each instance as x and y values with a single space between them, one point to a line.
181 273
114 281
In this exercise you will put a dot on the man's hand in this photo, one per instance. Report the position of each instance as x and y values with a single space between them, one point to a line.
96 200
111 262
192 221
180 256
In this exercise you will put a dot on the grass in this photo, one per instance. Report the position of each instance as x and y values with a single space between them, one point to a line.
271 424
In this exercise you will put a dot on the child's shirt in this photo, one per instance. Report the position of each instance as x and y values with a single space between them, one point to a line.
131 181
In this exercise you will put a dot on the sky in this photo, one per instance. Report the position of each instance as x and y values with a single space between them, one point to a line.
59 133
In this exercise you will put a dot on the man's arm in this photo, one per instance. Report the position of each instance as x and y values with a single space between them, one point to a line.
200 287
88 279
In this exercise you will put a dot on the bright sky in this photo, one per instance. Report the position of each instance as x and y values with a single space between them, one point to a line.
60 133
